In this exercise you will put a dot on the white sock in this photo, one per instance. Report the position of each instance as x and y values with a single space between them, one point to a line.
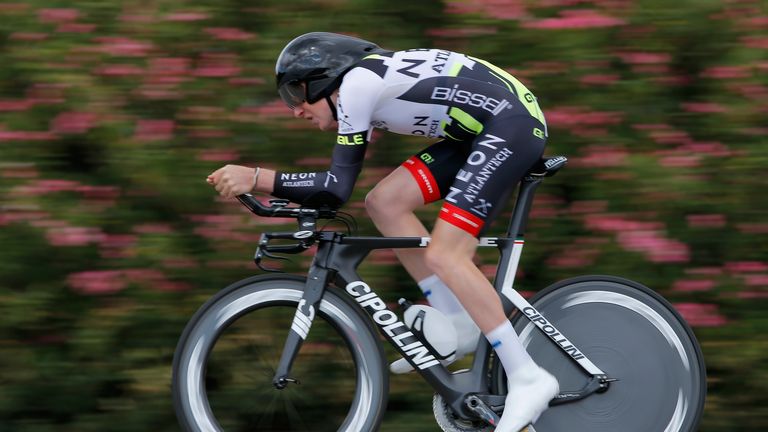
511 352
440 296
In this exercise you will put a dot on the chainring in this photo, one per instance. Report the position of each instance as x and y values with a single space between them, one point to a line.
449 422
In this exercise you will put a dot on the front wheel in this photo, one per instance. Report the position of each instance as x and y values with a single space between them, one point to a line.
633 335
227 356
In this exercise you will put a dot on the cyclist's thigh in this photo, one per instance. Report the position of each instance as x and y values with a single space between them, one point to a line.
433 169
500 156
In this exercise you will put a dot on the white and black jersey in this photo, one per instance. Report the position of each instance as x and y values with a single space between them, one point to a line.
475 107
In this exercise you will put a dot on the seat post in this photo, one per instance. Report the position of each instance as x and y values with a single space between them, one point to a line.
522 208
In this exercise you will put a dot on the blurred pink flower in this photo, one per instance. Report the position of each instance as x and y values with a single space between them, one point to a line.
113 246
25 135
57 15
751 295
228 33
245 81
73 236
535 68
136 18
208 133
98 192
706 220
645 58
119 70
73 122
153 228
759 280
169 66
746 266
701 315
576 19
44 186
617 223
75 28
753 228
15 104
597 156
670 136
588 207
726 72
704 107
460 32
18 170
499 9
186 16
28 36
579 116
96 282
599 79
270 110
758 42
13 7
693 285
217 66
47 94
180 262
582 252
154 130
680 161
124 47
654 246
704 271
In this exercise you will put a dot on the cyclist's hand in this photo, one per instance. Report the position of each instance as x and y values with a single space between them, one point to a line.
232 180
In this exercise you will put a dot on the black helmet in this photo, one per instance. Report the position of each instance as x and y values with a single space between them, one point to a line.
319 60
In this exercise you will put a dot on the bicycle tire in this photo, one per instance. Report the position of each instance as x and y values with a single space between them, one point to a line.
240 398
652 352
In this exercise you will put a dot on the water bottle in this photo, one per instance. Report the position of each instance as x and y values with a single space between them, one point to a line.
433 328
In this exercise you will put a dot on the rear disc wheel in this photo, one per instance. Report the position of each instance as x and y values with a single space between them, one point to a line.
634 336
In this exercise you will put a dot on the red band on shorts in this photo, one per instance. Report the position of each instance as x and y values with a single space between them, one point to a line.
461 219
424 179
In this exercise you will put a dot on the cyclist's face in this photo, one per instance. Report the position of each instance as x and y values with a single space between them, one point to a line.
318 113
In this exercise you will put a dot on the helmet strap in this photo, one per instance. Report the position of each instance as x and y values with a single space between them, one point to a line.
332 106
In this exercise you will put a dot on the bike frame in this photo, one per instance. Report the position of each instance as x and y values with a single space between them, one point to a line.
337 259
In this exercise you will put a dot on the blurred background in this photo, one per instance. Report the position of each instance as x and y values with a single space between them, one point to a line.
112 113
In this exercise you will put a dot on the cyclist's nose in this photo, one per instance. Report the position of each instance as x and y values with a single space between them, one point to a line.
298 112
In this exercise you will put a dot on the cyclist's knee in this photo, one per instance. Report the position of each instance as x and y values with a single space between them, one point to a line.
441 256
383 201
377 202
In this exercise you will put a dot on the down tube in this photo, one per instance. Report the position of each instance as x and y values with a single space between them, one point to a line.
512 299
400 337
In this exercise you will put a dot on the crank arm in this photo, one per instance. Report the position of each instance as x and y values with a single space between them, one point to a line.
596 384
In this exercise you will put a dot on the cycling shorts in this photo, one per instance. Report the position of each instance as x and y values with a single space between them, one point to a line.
476 177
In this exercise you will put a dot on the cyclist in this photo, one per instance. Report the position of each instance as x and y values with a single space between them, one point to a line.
492 131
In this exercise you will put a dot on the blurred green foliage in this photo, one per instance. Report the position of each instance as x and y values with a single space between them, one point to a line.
113 112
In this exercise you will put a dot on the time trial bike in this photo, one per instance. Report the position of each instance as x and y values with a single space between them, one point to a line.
286 352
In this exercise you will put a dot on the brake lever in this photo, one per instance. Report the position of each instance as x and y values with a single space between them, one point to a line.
260 254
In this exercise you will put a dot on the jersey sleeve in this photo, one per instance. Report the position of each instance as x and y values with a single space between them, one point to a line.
332 187
358 95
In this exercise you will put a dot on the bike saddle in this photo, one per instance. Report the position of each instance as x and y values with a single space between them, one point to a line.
547 166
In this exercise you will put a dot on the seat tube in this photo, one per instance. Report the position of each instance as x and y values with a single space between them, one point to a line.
512 246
